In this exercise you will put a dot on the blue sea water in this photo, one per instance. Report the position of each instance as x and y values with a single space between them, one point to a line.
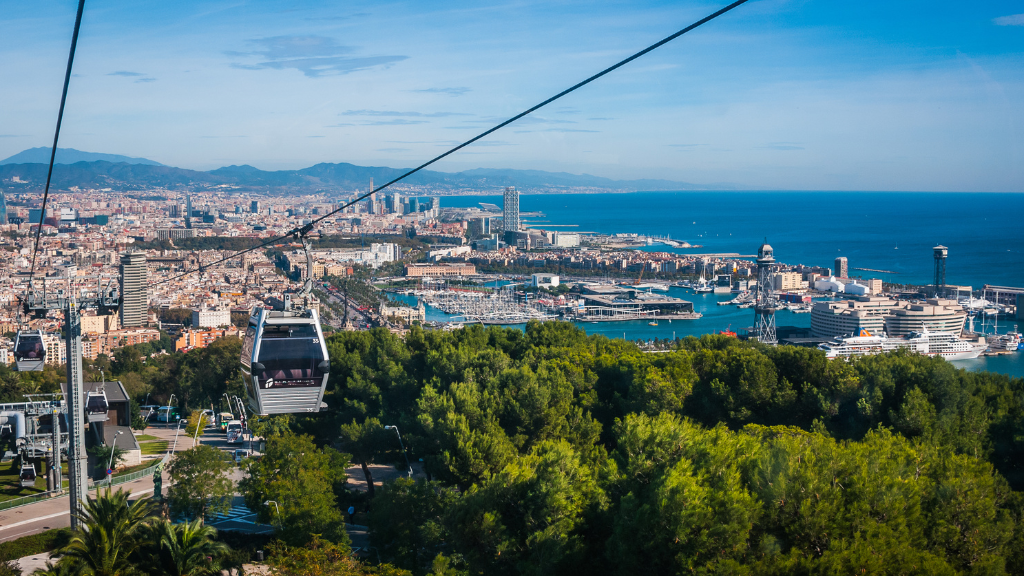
880 230
892 231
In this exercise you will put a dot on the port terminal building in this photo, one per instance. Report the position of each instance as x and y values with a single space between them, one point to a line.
879 314
605 302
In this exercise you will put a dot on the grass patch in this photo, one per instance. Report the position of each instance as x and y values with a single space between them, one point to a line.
146 438
154 448
10 482
35 544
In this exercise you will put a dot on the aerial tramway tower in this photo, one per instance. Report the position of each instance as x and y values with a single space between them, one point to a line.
764 300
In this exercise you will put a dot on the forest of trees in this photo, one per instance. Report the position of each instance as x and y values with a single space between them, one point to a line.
548 451
554 452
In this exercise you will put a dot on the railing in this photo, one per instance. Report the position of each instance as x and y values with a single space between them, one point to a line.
125 478
26 500
115 481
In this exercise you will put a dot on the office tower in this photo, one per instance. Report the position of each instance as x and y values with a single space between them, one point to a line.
174 211
188 211
396 204
134 297
254 206
3 208
373 199
842 267
414 205
511 212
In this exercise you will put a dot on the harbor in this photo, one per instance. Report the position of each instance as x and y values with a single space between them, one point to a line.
710 313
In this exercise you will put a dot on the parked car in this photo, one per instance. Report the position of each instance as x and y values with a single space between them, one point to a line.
148 413
234 431
241 454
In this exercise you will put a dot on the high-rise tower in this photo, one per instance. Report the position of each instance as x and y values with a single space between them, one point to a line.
3 208
134 297
842 267
940 253
764 300
188 211
373 198
511 212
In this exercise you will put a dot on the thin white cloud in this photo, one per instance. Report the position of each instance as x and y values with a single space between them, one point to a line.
396 114
314 56
453 91
1011 20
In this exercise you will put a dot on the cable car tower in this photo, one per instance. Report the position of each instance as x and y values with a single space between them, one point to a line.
764 300
940 253
37 305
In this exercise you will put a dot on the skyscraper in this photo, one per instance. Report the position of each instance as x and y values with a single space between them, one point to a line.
134 296
188 211
842 267
254 206
511 212
373 199
3 208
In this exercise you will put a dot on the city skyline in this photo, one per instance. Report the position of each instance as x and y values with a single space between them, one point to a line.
775 95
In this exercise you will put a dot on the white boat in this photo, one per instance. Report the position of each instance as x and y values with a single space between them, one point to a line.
973 303
945 344
1010 342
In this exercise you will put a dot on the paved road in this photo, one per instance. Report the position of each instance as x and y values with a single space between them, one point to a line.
55 513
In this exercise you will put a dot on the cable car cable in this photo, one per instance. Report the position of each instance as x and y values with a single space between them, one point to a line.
295 232
56 135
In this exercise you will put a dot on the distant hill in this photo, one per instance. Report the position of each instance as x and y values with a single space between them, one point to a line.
340 177
41 155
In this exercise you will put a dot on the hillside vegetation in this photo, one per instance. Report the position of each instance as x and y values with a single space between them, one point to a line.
553 452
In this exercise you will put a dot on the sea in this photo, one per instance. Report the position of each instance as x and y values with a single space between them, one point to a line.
890 231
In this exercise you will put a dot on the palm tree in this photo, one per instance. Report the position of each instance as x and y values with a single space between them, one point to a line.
110 532
189 549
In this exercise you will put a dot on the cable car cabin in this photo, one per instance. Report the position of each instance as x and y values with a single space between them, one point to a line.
284 362
28 474
29 351
96 406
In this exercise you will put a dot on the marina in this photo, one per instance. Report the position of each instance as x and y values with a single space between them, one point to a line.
716 315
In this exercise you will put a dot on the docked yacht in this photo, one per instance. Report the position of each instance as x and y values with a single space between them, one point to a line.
945 344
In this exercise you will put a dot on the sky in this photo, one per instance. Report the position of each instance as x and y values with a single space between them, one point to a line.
777 94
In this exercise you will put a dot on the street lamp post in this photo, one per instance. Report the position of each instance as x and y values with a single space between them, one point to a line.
278 508
199 426
402 444
170 402
110 462
176 431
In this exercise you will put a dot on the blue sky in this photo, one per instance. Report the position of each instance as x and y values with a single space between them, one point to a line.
778 94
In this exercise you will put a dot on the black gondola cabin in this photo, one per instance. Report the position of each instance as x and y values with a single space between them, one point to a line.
29 351
284 362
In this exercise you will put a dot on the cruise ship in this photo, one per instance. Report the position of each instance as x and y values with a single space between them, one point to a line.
945 344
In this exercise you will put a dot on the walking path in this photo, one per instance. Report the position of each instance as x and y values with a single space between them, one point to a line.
55 512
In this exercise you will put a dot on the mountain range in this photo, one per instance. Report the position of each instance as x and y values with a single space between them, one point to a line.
41 155
123 173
